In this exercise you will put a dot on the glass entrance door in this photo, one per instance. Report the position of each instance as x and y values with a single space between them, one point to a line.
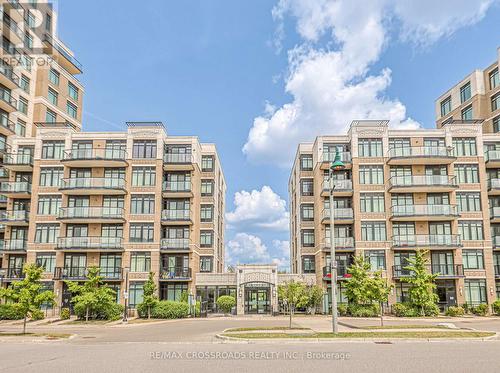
257 300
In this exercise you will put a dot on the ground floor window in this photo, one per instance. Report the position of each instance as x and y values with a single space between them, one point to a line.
402 292
116 289
497 283
136 293
341 297
209 295
47 285
172 290
475 291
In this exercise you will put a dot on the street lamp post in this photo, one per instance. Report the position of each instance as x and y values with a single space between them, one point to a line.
125 296
337 165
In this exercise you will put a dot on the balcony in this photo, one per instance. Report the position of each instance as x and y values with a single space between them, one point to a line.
422 183
111 273
420 155
177 189
496 267
178 162
342 188
14 9
423 212
95 157
492 158
430 241
494 187
7 102
342 215
7 77
177 273
4 174
18 162
13 274
70 273
14 217
176 216
447 270
15 189
174 244
62 55
15 246
399 271
342 273
341 243
7 127
91 215
328 157
495 241
96 243
93 186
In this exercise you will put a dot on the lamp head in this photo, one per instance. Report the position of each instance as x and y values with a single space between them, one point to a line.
337 164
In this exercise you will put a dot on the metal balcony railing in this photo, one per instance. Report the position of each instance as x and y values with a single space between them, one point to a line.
342 271
15 245
7 123
443 270
496 241
424 210
493 183
174 243
15 187
420 151
97 154
339 213
90 243
400 271
177 186
416 240
341 242
175 273
18 159
93 183
7 71
177 158
330 156
111 273
7 97
57 45
175 215
494 212
14 273
423 181
339 185
14 215
70 273
91 212
492 155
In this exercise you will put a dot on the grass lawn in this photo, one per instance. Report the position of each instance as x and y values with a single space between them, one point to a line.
427 326
90 322
409 334
47 335
264 328
142 321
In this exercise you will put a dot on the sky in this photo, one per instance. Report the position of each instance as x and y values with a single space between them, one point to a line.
258 77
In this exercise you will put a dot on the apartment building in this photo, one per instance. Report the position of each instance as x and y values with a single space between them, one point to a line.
475 96
401 190
127 202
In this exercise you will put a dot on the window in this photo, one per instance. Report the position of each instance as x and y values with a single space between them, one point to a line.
23 105
136 293
54 77
143 176
112 230
376 258
47 261
141 232
307 187
207 188
495 102
207 163
144 149
142 204
496 124
206 263
372 202
373 231
467 113
473 259
30 19
48 205
207 213
475 291
28 40
307 237
471 230
52 149
465 92
72 91
140 261
445 106
467 173
71 109
307 212
494 79
52 96
20 128
25 84
468 201
371 175
370 147
206 238
51 176
48 23
308 264
46 233
464 146
50 116
306 162
172 291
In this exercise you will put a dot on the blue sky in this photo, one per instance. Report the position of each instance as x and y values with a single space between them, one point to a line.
221 69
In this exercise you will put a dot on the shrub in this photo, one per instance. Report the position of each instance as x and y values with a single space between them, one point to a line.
10 311
480 310
37 315
455 311
431 309
65 314
226 303
342 309
495 306
363 310
101 312
167 309
404 310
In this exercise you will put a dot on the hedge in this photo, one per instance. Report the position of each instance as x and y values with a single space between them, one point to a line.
10 311
113 312
167 309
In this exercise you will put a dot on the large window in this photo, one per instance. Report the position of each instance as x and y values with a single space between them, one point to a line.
71 109
307 212
464 146
207 188
496 124
473 259
471 230
140 261
370 147
308 264
467 113
371 175
141 232
495 102
52 96
48 204
136 294
142 204
51 176
144 149
494 79
465 92
475 291
468 201
52 149
143 176
207 163
206 263
307 237
372 202
446 106
72 91
307 187
172 291
373 231
376 258
467 173
24 83
206 238
207 213
47 261
306 162
50 116
23 105
54 77
46 233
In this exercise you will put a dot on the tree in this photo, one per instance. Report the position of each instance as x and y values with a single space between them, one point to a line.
94 297
150 298
27 294
293 294
422 283
226 303
315 297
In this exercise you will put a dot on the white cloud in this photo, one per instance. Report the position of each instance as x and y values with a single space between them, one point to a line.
331 84
260 209
247 248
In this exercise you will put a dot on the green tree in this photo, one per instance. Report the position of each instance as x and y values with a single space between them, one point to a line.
150 298
27 293
422 282
315 297
93 296
293 294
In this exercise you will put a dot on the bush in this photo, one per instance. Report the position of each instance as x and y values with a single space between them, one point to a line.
431 309
404 310
342 309
226 303
10 311
363 310
480 310
495 306
102 312
167 309
455 311
37 315
65 314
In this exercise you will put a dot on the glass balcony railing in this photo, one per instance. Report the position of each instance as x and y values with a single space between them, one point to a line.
423 181
90 243
175 215
177 158
15 245
330 156
443 270
424 210
420 151
58 46
70 273
339 185
496 241
5 122
18 159
91 213
15 187
177 186
14 215
493 183
416 240
174 243
93 183
8 72
492 155
7 97
339 213
97 154
341 242
175 273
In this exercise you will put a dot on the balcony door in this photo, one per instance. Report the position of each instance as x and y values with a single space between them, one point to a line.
442 262
438 199
75 265
436 170
174 263
77 230
16 262
110 265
